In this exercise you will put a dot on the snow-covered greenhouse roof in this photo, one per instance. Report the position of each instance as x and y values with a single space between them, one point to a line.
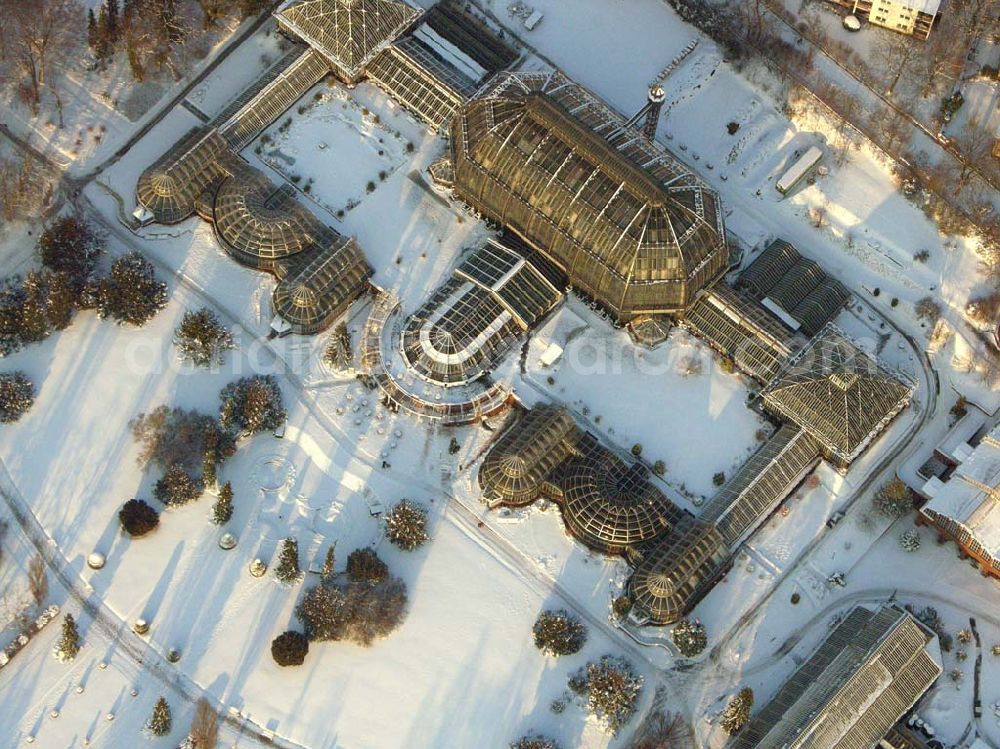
741 329
838 393
441 63
864 676
677 570
522 460
608 504
312 294
472 320
629 224
761 483
349 33
796 285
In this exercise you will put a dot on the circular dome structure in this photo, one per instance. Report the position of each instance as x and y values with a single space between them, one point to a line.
677 570
513 466
259 223
519 464
852 23
611 506
304 297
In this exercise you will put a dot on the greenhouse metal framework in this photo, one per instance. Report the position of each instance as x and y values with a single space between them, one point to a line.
742 331
676 572
608 504
762 482
431 62
385 369
473 319
861 680
517 468
794 286
629 225
837 393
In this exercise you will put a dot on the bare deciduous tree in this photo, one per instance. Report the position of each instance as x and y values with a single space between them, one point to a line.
975 141
24 187
38 579
33 31
895 52
205 725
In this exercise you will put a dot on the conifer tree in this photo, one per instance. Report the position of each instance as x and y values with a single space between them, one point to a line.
328 563
160 722
222 511
17 395
288 570
210 456
406 525
113 26
92 35
103 51
69 642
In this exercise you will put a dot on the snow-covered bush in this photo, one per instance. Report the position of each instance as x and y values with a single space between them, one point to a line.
928 310
137 518
737 712
406 525
222 510
17 396
376 610
177 487
611 690
359 612
909 540
324 613
287 570
70 246
174 436
535 741
131 293
69 641
894 499
290 648
202 339
161 721
558 633
364 565
621 606
251 405
689 637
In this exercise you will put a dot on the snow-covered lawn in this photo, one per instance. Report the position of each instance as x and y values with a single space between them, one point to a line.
460 671
674 401
334 147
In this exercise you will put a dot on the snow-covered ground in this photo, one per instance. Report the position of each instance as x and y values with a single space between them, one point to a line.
461 671
674 401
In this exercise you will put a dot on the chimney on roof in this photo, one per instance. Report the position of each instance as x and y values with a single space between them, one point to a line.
656 98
